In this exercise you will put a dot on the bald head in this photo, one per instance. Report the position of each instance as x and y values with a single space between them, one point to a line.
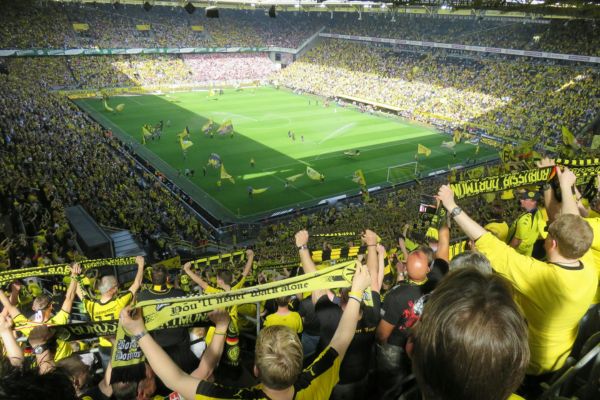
417 266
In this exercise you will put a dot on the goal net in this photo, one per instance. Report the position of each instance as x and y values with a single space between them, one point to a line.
402 172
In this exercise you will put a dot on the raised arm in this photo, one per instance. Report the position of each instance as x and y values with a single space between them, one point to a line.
377 283
168 372
369 238
471 228
345 331
67 305
443 249
249 262
187 268
212 355
139 276
567 179
12 310
75 276
14 353
308 266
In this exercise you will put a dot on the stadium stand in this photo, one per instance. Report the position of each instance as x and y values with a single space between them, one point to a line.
530 328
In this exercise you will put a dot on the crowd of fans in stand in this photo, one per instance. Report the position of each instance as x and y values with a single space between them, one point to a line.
27 24
512 98
54 156
338 344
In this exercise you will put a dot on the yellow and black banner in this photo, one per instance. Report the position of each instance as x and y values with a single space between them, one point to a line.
63 269
219 259
184 311
581 168
142 27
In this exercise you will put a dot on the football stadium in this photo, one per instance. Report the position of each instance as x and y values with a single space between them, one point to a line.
289 199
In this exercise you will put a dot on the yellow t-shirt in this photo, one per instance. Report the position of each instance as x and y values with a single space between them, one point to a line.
498 228
292 320
529 228
63 349
233 311
595 251
108 311
552 297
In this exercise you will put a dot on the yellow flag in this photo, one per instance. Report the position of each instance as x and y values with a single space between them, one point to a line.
225 175
107 107
293 178
145 131
568 137
313 174
423 150
185 144
359 177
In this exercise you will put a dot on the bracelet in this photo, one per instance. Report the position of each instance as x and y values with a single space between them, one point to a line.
355 298
140 335
356 294
303 247
219 333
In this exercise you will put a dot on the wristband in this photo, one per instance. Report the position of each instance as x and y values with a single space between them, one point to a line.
219 333
140 335
303 247
356 294
355 298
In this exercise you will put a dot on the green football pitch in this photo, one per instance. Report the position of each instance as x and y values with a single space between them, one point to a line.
261 119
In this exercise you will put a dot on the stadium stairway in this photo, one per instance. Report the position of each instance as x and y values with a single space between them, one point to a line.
125 244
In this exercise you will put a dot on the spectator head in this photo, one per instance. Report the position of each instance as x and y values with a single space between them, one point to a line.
471 341
570 235
108 285
28 384
528 200
224 277
76 370
159 275
471 259
283 301
42 305
278 357
418 262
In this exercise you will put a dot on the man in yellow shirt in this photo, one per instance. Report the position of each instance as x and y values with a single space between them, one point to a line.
553 295
42 305
111 302
284 316
529 227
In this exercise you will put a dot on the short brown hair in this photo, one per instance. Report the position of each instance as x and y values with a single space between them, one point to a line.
225 275
573 235
471 341
159 275
278 357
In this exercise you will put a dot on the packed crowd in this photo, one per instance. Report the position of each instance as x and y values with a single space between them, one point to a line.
54 156
516 98
499 310
229 67
27 24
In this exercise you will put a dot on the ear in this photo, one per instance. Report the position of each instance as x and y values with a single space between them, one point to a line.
410 345
256 372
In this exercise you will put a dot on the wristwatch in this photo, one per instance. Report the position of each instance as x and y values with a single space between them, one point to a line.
140 335
455 211
303 247
39 349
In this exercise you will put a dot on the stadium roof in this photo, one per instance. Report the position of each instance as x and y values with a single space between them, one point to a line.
530 9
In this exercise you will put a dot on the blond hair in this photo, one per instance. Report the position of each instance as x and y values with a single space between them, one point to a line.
278 357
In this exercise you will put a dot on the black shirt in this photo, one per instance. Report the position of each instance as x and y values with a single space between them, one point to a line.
172 336
310 322
355 364
399 309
